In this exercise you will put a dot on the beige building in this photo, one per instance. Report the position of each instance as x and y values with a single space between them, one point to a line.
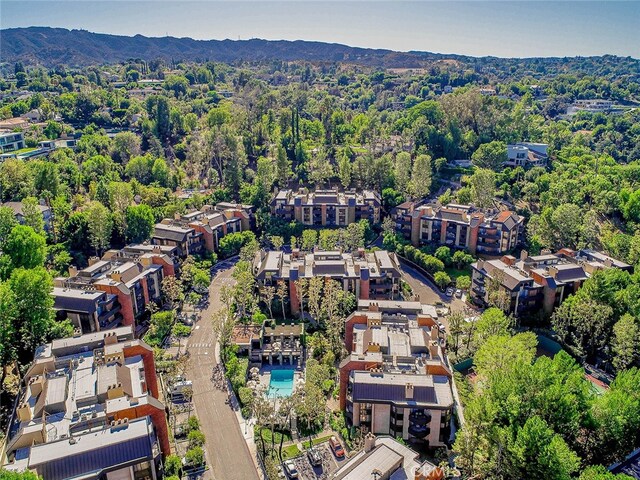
390 460
537 283
365 274
330 208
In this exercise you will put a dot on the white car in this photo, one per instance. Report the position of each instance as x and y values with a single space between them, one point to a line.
458 293
290 468
449 292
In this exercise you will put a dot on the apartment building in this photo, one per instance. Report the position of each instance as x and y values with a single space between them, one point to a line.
17 207
90 409
184 238
537 283
526 154
198 231
272 342
366 275
396 379
11 141
111 291
459 227
488 92
330 208
389 459
594 105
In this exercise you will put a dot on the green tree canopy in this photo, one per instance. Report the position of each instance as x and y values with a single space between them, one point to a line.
140 222
25 248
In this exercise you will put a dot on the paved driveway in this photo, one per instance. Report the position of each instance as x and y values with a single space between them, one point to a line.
428 293
227 452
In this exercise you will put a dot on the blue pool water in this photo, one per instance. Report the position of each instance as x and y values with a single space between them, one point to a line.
281 383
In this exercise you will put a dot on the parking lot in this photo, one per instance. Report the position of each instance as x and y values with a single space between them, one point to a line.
322 472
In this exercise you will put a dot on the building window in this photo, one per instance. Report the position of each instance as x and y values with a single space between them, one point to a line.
142 471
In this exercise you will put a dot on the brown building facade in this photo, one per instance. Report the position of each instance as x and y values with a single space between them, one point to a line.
459 227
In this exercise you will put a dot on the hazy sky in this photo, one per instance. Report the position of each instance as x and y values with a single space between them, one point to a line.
523 28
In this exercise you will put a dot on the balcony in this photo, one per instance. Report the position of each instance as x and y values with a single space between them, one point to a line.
419 431
282 210
104 316
488 233
419 418
478 291
489 242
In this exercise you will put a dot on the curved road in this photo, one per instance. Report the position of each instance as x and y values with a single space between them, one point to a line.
428 293
228 456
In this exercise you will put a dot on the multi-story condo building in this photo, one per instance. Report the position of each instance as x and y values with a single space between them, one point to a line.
386 458
396 379
537 283
11 141
184 238
525 154
594 105
19 214
366 275
330 208
111 291
460 227
90 409
201 230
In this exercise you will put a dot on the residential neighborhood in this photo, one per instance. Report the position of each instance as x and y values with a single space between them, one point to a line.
252 259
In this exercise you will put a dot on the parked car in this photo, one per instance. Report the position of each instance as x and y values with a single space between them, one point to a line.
449 292
290 468
336 447
179 389
458 293
314 457
441 327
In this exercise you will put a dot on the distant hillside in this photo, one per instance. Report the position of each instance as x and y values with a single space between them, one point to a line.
77 48
52 46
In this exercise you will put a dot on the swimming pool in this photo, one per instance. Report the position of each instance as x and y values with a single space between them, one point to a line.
281 383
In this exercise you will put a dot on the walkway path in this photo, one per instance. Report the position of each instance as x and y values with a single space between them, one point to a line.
228 455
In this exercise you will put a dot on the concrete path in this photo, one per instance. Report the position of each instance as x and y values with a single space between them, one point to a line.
228 455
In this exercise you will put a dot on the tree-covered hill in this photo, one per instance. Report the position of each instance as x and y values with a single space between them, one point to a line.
52 46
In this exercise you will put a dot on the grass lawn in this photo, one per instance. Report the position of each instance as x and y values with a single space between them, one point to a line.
291 451
24 150
266 435
316 441
454 273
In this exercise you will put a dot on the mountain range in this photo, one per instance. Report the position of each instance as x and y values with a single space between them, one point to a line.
48 47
